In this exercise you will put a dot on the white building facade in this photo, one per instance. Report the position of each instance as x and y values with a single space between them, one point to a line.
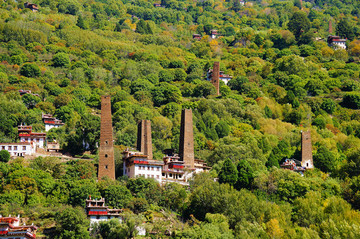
171 170
26 135
19 149
137 165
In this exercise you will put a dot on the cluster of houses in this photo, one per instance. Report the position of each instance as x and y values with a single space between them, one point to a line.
213 34
10 228
178 168
31 142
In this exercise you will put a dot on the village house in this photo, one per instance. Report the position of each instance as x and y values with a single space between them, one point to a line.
213 33
21 149
179 168
158 5
10 229
97 211
293 165
53 147
197 37
26 135
137 164
222 76
33 7
51 122
24 92
336 42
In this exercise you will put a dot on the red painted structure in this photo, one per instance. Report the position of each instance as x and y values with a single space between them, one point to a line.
10 228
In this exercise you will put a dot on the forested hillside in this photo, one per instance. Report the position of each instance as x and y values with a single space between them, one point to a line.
285 79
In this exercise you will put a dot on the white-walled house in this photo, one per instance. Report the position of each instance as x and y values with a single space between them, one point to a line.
19 149
137 165
26 135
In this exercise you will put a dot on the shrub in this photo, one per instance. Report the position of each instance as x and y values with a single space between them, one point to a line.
61 60
4 156
30 70
352 100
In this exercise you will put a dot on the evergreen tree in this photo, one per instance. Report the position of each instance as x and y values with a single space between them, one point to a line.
268 112
274 158
245 175
141 27
324 159
81 22
299 24
222 129
345 29
148 29
228 173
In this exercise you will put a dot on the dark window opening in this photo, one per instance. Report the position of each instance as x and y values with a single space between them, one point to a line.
106 166
106 155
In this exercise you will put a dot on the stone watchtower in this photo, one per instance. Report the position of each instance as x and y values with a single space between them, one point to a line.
144 142
106 152
215 77
186 147
306 150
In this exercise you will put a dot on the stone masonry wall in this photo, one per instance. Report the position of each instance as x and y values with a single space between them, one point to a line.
306 150
186 147
144 142
106 152
216 77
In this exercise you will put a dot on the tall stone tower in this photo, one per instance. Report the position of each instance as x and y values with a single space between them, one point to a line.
306 150
144 142
106 153
330 27
215 78
186 147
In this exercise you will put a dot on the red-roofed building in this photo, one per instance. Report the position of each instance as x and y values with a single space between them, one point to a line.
26 135
222 76
336 42
31 6
51 122
213 33
197 37
10 228
136 164
97 211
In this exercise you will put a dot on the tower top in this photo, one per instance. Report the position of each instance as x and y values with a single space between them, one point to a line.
144 140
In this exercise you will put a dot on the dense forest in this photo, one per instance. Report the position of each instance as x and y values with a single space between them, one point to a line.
285 79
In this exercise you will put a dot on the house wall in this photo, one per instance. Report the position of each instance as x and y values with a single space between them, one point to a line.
50 126
18 150
144 170
39 142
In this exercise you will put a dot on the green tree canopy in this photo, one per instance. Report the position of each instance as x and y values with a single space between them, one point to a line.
228 173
